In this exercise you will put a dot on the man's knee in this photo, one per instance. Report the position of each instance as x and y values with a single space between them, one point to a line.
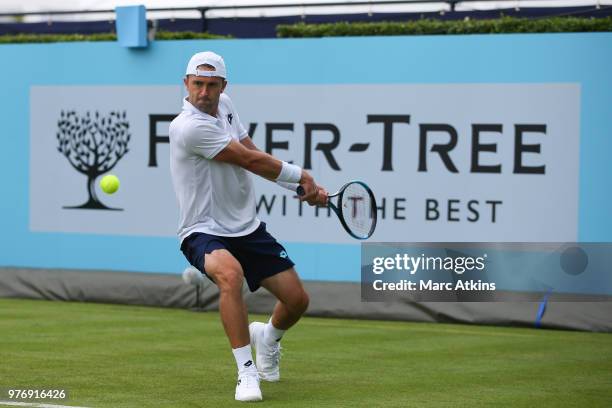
224 269
229 280
299 302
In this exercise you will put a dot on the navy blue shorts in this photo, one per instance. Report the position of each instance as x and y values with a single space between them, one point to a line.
259 254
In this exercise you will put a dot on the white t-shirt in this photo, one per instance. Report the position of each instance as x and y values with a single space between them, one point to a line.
214 197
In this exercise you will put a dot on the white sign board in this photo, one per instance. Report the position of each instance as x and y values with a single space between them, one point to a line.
447 162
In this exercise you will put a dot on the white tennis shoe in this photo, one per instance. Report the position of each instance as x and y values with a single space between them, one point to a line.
267 357
247 388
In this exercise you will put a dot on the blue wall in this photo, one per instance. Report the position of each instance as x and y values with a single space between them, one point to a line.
542 58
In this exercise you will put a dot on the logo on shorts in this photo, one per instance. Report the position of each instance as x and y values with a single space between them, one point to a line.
283 254
230 117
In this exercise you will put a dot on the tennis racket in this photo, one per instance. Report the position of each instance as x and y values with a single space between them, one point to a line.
355 206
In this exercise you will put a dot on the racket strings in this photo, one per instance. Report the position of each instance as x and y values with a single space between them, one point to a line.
358 210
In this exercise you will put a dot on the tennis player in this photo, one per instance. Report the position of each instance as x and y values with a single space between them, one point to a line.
211 156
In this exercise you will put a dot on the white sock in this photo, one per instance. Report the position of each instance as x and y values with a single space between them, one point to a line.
244 358
272 334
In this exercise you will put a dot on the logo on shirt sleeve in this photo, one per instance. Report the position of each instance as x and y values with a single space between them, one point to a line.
230 117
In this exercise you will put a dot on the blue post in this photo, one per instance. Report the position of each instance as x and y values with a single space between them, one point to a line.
131 23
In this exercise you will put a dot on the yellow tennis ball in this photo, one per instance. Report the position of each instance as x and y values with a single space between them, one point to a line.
109 183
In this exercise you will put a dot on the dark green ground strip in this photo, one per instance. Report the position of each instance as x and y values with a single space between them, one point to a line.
126 356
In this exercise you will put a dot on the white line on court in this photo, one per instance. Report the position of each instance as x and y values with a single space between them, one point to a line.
35 405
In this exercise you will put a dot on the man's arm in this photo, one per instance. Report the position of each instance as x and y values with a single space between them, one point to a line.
266 166
255 161
248 143
321 198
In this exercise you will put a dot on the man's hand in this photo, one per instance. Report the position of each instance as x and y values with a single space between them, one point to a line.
321 198
310 188
313 194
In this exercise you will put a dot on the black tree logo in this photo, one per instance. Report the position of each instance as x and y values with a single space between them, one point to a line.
93 145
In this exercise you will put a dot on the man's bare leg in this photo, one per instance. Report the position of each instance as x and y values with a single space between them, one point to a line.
291 305
227 273
292 298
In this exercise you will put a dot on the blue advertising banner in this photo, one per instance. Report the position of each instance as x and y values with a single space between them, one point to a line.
480 138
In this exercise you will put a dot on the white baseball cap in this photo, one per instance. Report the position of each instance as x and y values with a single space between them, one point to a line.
207 58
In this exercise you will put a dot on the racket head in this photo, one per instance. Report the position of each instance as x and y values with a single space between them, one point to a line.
356 208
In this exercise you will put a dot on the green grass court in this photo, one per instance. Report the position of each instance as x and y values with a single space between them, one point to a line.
125 356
